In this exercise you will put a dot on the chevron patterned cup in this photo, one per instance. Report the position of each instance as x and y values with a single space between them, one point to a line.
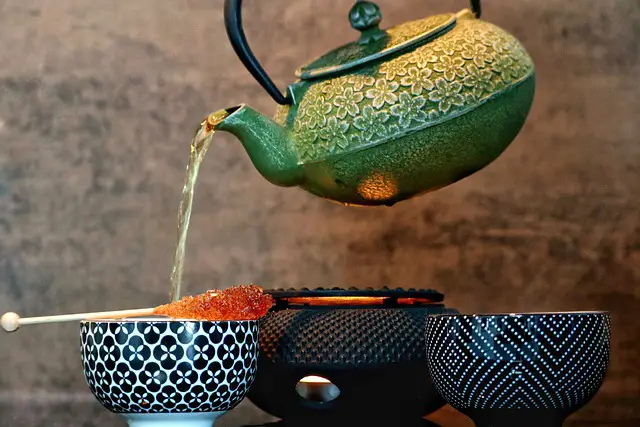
532 369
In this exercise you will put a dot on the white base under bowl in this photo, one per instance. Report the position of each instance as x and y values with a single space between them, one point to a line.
202 419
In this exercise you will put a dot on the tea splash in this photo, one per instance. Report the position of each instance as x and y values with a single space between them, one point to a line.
199 146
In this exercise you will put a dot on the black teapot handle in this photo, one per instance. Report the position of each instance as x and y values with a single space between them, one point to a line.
233 24
476 8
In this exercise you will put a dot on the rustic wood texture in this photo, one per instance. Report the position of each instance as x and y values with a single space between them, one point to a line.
98 102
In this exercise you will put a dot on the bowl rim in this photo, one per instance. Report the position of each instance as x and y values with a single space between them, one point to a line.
525 314
163 320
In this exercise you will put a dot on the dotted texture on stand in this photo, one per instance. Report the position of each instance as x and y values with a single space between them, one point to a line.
343 336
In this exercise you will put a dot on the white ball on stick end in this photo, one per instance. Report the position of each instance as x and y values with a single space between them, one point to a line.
10 321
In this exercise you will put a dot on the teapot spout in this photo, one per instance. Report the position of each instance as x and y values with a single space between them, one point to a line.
268 145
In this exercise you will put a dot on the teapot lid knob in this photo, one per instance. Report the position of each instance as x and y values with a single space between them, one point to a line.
365 16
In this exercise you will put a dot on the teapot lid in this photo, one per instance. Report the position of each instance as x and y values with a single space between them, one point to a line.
375 43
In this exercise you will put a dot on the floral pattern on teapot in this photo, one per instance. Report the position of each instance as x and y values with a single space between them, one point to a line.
397 36
441 80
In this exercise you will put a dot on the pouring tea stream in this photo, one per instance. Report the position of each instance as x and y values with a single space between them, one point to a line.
199 147
395 114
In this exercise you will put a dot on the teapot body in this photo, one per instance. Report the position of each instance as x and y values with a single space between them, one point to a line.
412 123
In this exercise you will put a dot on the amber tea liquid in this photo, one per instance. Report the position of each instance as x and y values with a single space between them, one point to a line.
199 146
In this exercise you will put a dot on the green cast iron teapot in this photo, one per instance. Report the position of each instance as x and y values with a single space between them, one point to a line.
395 114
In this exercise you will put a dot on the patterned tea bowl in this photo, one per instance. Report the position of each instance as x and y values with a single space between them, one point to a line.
160 372
528 370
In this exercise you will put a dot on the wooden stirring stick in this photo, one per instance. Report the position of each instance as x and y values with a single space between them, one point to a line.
10 322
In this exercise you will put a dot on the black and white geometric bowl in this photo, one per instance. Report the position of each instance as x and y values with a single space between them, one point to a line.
168 372
518 369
